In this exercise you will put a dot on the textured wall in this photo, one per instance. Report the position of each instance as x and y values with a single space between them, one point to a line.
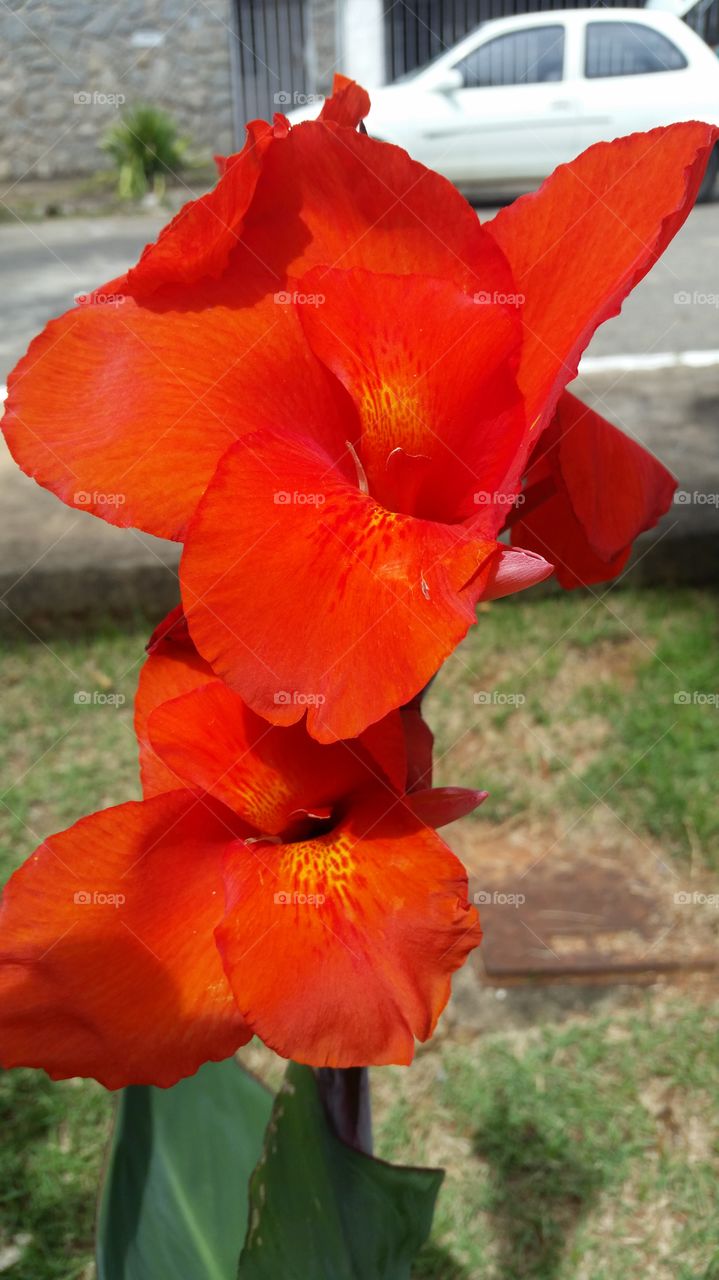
323 55
65 65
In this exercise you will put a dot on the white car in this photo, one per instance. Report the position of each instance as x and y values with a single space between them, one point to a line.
501 109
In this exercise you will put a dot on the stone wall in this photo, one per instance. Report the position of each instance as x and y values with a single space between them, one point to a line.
67 68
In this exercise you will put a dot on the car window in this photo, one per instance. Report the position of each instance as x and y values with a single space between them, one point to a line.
628 49
533 56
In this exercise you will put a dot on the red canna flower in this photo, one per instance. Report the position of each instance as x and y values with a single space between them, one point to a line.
329 381
265 884
590 490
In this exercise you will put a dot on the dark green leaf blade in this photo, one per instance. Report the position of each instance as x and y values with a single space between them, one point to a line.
320 1210
174 1201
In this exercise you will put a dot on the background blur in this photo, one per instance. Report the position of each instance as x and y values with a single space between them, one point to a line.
67 66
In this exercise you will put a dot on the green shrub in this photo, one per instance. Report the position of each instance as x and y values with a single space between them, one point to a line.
145 146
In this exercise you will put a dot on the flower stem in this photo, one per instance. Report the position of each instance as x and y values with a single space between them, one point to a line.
346 1098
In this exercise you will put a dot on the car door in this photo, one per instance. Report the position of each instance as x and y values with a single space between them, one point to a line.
635 77
515 116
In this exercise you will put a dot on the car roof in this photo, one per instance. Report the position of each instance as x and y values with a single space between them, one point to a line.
591 13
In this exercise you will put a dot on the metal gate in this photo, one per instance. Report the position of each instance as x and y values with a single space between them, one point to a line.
269 68
418 31
704 18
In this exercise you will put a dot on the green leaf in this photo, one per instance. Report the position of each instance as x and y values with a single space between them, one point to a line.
320 1210
174 1203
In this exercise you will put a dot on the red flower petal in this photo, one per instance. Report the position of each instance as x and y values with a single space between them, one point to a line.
197 243
322 601
607 490
581 243
420 745
441 805
214 742
332 197
616 487
386 743
172 668
351 981
512 569
348 105
432 375
132 993
125 410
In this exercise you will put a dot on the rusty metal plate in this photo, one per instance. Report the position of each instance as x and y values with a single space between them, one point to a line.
582 921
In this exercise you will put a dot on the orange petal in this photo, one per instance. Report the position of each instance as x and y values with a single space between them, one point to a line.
108 966
124 409
431 372
331 197
340 950
214 742
348 105
173 667
581 243
606 490
198 241
308 596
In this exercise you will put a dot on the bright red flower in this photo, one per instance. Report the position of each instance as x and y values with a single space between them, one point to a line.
590 490
340 466
281 887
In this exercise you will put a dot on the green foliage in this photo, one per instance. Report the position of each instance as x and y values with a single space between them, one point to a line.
321 1209
145 146
175 1196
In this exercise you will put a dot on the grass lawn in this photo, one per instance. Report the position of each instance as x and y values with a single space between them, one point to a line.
580 1151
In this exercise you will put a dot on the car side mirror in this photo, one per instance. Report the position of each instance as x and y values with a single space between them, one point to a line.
449 80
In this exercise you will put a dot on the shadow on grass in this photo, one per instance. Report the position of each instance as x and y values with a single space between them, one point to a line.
540 1189
436 1263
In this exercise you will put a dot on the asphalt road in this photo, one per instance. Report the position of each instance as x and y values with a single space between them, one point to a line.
44 264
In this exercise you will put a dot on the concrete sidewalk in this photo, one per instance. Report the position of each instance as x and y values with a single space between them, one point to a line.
59 564
62 565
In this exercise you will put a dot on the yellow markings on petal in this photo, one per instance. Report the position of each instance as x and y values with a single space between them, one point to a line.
391 418
325 867
264 800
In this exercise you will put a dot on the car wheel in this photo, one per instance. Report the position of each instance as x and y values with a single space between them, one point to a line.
707 188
